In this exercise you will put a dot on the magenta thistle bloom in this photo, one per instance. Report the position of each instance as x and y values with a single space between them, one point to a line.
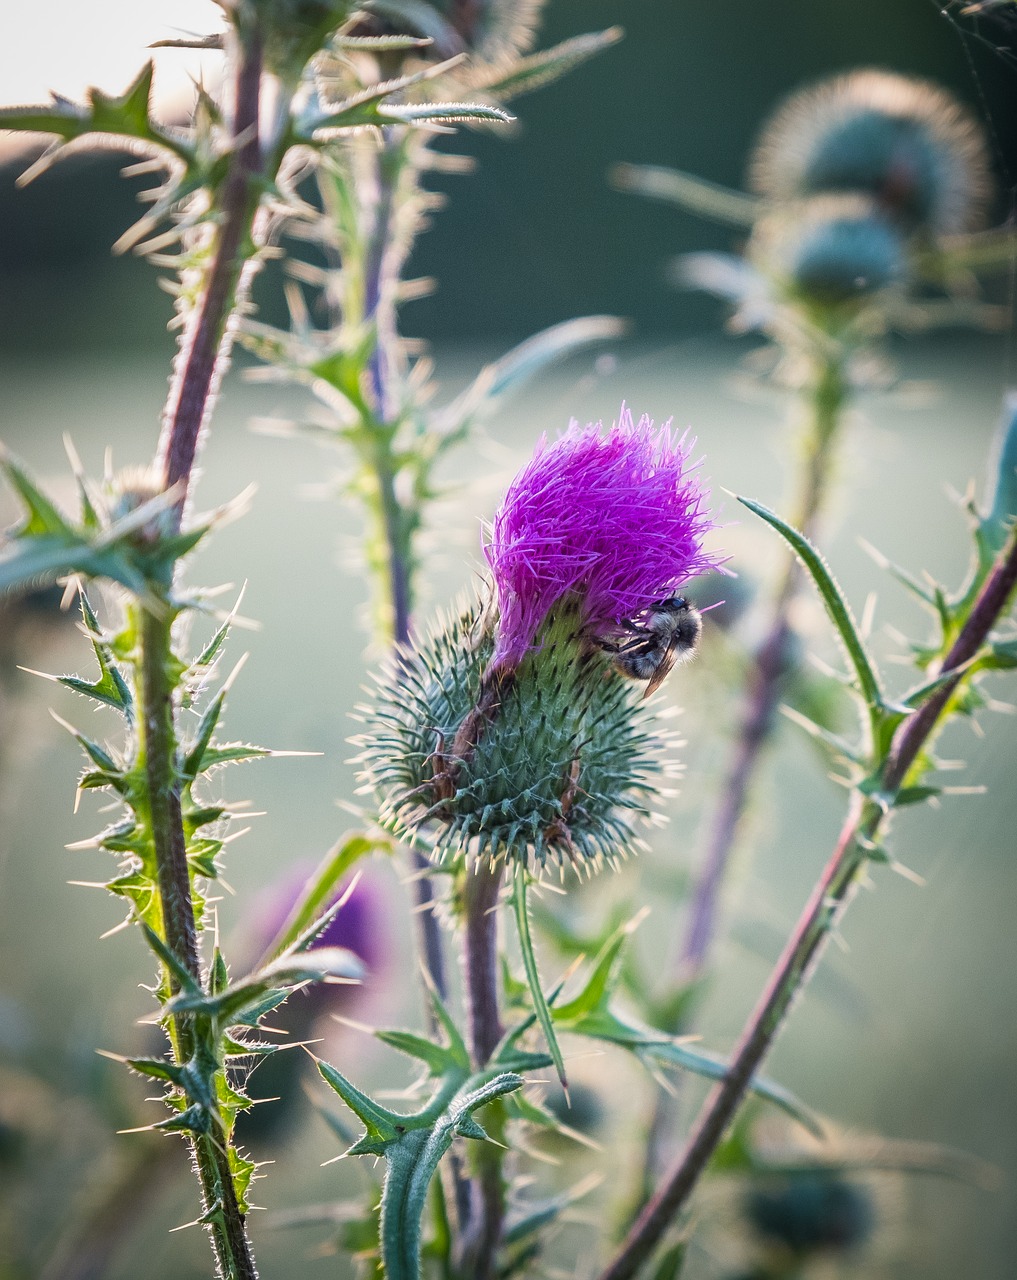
615 520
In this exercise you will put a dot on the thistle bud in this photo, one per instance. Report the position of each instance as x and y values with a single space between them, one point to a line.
905 143
811 1212
513 731
831 251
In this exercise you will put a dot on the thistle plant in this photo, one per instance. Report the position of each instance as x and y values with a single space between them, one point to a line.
868 189
511 740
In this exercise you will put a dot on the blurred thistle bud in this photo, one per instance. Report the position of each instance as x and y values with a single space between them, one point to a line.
830 252
357 926
906 143
129 490
810 1212
512 731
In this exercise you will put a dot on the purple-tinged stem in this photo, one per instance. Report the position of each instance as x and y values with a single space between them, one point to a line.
479 1245
202 358
825 907
208 338
763 688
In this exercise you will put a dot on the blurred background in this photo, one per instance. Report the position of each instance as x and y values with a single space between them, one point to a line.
910 1032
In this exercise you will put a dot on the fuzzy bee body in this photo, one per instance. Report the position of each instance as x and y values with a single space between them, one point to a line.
669 631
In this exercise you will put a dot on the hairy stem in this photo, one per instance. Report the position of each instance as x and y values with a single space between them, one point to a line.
825 907
157 748
205 348
479 1243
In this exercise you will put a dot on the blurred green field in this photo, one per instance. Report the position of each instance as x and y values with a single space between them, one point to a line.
909 1032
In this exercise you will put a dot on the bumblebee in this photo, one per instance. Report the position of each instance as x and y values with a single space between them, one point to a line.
668 631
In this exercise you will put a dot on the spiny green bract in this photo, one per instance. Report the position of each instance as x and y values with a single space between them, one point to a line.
562 770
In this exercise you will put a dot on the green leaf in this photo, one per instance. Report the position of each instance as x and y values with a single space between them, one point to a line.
111 688
521 364
590 1014
720 204
308 916
671 1262
382 1125
442 113
125 117
833 598
539 69
286 972
540 1005
439 1059
412 1160
43 519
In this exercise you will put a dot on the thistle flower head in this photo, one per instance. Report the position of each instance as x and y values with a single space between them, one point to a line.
906 143
613 520
513 732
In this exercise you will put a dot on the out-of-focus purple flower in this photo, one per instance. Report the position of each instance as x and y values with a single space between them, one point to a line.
614 519
357 926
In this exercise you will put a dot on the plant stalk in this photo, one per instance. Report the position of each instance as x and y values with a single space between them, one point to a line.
381 266
822 913
208 337
482 1232
763 686
157 746
766 674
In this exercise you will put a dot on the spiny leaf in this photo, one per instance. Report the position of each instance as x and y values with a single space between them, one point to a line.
548 65
111 688
308 916
533 977
411 1163
833 598
439 1058
43 519
126 117
381 1123
286 972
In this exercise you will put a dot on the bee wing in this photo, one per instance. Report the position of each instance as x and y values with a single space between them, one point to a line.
667 661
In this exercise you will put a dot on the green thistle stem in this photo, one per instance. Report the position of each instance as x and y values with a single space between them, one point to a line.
823 912
157 749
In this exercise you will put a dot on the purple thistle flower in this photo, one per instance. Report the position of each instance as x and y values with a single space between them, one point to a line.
616 520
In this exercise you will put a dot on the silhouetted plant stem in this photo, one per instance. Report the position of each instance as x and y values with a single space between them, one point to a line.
157 751
822 913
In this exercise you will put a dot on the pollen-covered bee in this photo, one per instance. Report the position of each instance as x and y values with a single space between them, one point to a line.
668 632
